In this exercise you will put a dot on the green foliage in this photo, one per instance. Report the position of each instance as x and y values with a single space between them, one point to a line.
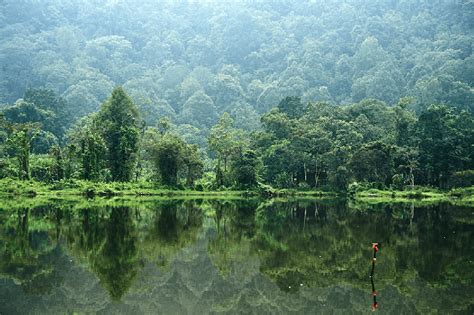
19 144
446 143
24 112
118 122
364 142
88 147
373 162
291 106
168 158
462 179
43 168
245 169
43 107
332 51
227 142
47 100
193 163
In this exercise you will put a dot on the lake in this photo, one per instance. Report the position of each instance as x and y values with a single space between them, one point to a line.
165 256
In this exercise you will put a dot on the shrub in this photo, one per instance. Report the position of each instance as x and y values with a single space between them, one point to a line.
284 180
304 186
398 181
41 167
8 168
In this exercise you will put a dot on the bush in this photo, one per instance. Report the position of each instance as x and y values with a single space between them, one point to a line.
339 180
284 180
266 190
206 182
415 194
41 168
398 182
462 192
8 168
304 186
356 187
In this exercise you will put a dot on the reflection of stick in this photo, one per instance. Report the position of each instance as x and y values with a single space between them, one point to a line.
374 259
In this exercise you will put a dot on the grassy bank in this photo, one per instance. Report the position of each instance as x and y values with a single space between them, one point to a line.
74 188
463 196
11 187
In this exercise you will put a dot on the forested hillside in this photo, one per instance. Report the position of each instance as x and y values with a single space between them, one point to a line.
290 93
192 59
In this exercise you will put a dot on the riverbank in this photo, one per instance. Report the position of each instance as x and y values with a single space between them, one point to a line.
77 188
463 196
11 187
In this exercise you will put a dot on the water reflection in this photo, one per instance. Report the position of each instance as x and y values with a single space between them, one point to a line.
172 226
27 255
115 258
299 245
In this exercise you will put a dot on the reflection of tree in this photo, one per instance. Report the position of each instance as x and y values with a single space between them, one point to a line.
26 254
84 231
116 262
330 245
316 244
174 225
313 244
110 239
326 243
106 238
234 227
440 261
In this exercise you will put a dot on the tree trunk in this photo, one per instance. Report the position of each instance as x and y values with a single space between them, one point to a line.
305 172
189 178
315 173
219 175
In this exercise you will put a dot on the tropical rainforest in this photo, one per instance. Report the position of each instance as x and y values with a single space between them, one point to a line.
326 95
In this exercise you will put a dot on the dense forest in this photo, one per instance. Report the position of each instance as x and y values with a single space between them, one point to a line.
328 94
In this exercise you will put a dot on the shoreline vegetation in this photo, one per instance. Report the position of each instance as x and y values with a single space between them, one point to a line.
313 150
88 189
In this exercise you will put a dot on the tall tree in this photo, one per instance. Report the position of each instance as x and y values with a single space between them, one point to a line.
19 142
245 169
224 139
119 122
192 162
168 158
91 151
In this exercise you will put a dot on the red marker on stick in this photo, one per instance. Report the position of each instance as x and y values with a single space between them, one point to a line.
375 247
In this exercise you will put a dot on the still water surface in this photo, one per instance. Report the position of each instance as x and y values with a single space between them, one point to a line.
234 256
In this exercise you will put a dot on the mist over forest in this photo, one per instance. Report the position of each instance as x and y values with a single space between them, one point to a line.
358 76
242 57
